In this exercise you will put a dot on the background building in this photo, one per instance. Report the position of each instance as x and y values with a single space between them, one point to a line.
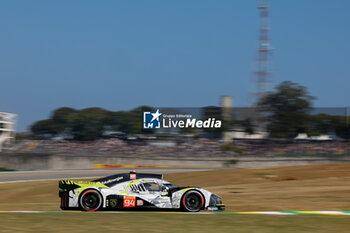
7 129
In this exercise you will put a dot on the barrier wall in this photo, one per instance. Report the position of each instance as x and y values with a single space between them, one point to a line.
27 161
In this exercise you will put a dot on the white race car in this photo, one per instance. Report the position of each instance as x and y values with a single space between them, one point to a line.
135 191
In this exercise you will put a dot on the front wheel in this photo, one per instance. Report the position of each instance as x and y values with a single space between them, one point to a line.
90 200
192 201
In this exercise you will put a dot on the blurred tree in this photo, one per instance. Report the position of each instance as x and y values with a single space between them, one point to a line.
320 124
63 118
135 124
44 128
215 112
63 115
341 126
329 124
247 125
88 124
286 110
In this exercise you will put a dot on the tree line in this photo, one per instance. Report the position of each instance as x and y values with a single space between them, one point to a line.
287 111
89 123
283 112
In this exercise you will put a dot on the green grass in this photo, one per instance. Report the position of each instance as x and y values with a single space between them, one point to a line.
322 187
162 222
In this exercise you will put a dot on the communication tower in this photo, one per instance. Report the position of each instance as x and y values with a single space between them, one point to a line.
263 73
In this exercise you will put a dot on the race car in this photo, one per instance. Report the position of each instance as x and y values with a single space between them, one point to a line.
132 191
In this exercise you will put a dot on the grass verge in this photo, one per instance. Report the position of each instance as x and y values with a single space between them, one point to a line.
154 222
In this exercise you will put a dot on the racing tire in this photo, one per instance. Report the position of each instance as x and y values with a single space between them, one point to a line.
90 200
192 201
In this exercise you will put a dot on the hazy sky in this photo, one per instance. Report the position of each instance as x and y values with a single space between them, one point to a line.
121 54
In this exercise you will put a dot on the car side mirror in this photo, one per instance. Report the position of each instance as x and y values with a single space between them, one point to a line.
164 193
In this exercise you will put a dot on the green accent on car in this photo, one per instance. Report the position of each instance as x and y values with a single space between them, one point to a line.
83 185
132 183
86 184
186 189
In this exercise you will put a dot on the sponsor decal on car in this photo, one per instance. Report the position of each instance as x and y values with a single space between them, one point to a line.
112 180
129 201
113 202
139 203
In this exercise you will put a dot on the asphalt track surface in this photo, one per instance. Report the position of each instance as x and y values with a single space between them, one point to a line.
20 176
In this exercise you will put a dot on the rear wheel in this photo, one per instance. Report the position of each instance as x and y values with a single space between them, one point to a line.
192 201
90 200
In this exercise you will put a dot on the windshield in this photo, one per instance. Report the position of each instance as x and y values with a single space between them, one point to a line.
170 186
152 186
